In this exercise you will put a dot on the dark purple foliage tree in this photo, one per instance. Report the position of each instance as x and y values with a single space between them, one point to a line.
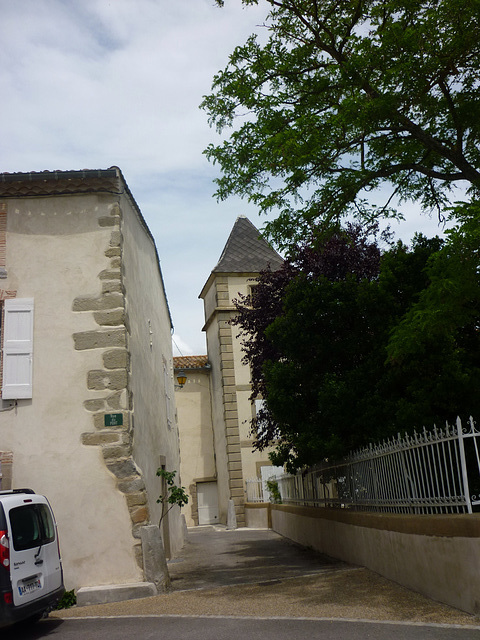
324 338
344 258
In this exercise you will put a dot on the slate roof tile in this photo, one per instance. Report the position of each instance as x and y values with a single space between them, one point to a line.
246 251
46 183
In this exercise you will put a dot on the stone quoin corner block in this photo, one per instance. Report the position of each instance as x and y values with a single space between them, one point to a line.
99 339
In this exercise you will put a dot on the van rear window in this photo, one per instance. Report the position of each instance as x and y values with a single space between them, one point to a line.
32 526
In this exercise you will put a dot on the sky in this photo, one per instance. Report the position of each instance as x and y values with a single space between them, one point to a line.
89 84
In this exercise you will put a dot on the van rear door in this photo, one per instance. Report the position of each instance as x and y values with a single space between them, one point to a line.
35 564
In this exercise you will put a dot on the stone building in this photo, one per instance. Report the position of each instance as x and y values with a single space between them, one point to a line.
87 411
227 452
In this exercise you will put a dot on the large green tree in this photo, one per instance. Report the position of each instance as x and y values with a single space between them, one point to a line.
451 302
343 97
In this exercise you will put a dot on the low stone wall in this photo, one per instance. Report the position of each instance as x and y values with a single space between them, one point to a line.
258 515
438 555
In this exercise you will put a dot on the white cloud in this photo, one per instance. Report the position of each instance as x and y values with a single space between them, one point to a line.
96 83
123 79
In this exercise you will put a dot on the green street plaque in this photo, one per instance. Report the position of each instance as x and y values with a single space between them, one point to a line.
113 419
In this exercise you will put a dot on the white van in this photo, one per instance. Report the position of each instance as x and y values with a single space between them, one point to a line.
31 575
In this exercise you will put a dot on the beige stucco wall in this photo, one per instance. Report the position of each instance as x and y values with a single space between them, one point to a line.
252 460
218 419
55 252
239 285
437 556
209 295
194 411
258 515
155 434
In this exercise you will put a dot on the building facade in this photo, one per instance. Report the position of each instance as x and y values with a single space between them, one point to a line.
233 460
198 459
87 411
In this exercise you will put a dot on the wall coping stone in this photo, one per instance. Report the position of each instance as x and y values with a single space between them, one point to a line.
441 525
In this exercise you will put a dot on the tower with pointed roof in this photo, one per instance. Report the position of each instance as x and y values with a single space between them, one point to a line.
245 255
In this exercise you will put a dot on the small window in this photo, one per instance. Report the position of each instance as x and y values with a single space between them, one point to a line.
259 405
251 292
32 526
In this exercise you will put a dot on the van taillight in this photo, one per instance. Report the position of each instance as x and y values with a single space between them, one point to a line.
4 550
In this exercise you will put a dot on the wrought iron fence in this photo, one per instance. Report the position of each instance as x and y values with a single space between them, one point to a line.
434 471
254 490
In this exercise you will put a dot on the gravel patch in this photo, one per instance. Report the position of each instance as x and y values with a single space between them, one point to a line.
348 593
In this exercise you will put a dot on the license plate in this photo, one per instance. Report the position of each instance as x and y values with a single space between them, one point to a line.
29 587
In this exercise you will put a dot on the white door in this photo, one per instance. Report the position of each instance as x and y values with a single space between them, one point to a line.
207 500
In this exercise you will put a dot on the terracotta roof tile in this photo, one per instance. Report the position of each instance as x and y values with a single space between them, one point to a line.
190 362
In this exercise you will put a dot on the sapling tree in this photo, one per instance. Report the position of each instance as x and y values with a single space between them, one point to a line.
174 496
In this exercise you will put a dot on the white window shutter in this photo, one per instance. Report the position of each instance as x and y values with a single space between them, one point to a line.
17 348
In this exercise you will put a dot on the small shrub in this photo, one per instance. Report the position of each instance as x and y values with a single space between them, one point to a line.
69 599
275 496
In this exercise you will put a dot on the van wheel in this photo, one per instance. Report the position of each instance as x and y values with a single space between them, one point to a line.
32 619
36 617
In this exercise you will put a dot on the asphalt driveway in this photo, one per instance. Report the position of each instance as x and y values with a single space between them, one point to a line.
216 557
257 573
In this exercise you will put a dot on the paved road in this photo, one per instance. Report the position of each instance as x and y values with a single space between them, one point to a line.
215 557
253 583
198 628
